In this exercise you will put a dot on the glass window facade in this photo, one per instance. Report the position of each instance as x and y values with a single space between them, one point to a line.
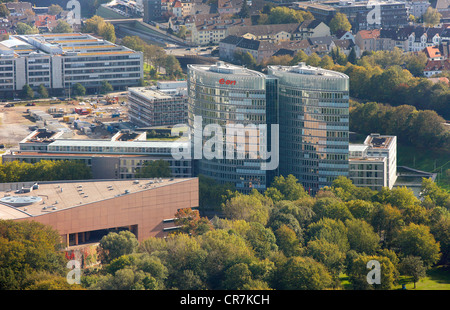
228 95
314 110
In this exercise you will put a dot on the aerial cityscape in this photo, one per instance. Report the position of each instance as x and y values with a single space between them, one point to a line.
224 145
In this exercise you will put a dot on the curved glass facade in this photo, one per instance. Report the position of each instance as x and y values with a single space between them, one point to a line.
314 109
226 95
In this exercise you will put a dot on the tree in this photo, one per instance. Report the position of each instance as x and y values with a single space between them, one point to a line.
328 254
339 23
416 240
285 15
27 92
313 60
62 27
413 266
223 251
106 87
26 249
4 12
114 245
42 91
154 169
191 223
236 277
172 66
333 208
332 231
300 56
301 273
245 11
358 272
22 28
97 25
431 17
289 187
247 207
326 62
361 237
78 90
352 56
287 241
108 32
54 9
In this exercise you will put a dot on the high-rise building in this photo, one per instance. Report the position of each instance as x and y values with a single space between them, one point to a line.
314 124
228 95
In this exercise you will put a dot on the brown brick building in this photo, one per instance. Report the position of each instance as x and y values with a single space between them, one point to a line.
84 211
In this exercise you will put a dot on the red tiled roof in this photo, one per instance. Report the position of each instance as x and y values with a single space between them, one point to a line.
369 34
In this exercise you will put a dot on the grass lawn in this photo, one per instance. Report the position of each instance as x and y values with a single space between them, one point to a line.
426 160
438 278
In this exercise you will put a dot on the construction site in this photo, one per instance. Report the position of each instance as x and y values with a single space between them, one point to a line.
90 118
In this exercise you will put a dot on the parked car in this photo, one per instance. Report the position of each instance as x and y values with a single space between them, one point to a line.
9 105
30 104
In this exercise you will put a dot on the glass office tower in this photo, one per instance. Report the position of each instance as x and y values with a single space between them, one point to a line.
314 114
227 95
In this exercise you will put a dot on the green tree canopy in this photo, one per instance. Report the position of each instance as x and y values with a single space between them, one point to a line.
154 169
339 23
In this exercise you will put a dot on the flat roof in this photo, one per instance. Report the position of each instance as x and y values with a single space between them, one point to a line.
376 141
156 94
226 68
304 69
109 143
57 196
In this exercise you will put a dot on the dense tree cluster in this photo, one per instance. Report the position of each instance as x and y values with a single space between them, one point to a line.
281 239
30 258
44 170
154 56
419 128
396 78
285 239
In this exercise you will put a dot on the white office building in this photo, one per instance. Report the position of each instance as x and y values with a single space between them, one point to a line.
374 163
59 61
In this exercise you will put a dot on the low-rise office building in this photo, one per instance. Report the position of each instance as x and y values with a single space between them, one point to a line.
374 163
367 171
161 105
117 158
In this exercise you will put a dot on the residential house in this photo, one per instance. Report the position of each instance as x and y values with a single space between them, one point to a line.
229 6
345 35
270 33
311 29
366 40
212 31
433 53
177 8
283 32
417 7
436 66
346 46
